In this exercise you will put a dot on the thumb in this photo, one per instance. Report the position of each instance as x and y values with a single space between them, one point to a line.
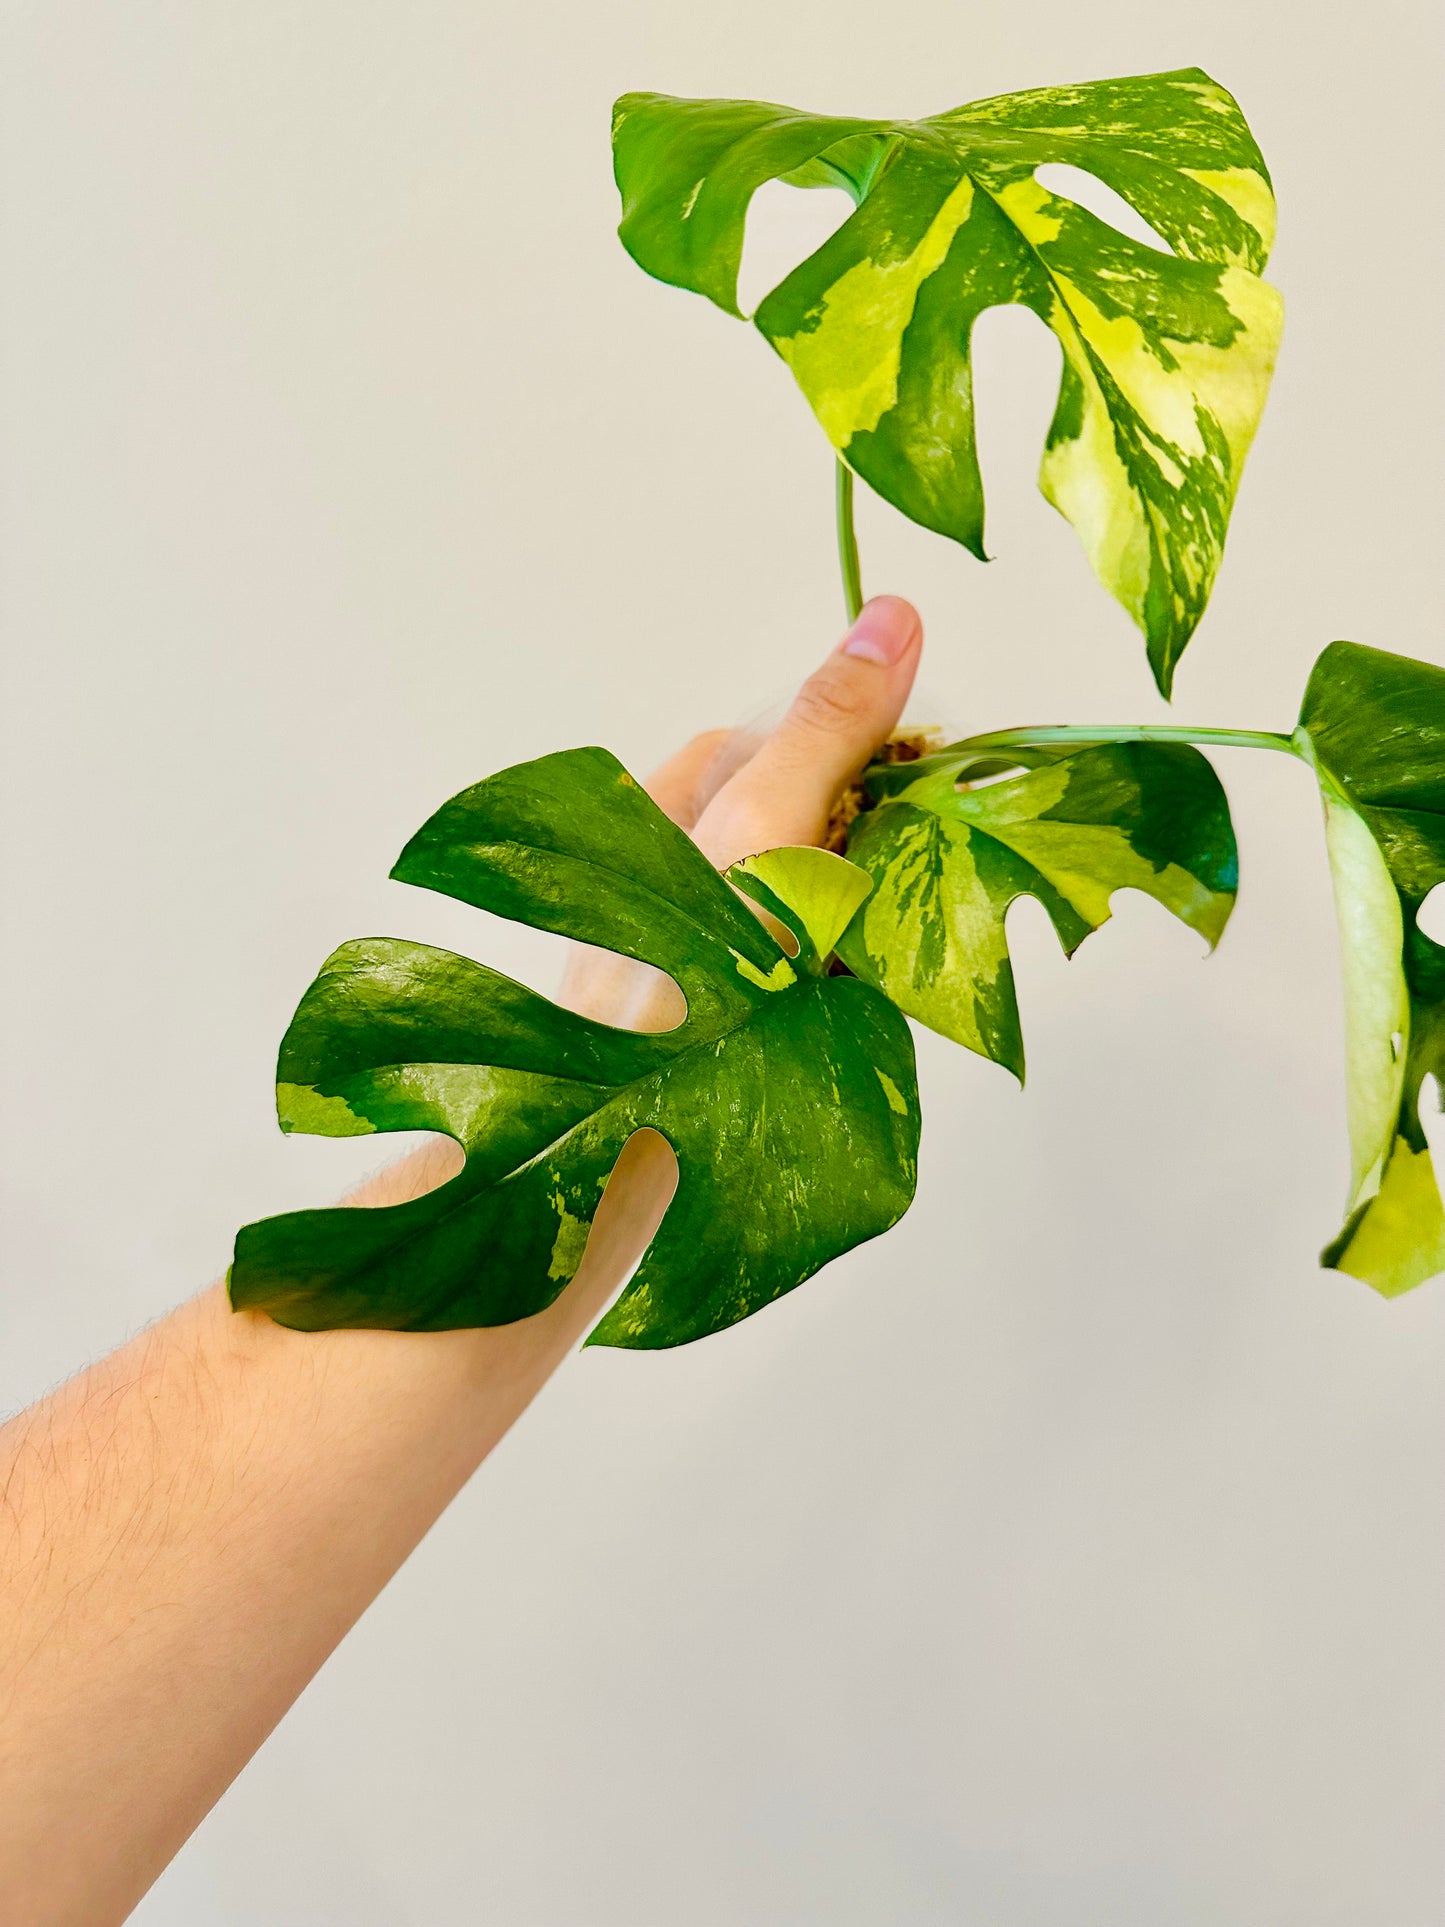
845 709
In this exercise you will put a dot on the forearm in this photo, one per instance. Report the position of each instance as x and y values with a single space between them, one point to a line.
191 1526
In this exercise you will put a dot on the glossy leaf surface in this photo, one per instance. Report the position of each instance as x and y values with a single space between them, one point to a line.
1374 725
1167 356
947 862
788 1096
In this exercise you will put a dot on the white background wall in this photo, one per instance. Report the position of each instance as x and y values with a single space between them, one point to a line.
1074 1557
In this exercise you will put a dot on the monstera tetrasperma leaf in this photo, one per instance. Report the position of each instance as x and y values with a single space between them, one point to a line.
947 862
1374 726
787 1095
1167 357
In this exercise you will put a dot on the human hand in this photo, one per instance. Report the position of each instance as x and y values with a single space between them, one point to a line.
737 792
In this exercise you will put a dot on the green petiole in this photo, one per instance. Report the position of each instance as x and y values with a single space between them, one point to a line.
1051 733
848 543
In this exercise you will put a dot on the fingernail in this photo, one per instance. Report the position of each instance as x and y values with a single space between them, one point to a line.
883 632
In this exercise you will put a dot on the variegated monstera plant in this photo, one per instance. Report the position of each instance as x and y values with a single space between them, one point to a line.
788 1091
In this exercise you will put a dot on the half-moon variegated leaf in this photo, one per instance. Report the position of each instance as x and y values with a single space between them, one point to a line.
1374 726
947 862
788 1095
1166 356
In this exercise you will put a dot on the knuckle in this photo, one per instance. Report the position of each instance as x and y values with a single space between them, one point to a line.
829 704
707 742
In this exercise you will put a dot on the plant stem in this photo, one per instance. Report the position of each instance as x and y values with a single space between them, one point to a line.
848 543
1128 733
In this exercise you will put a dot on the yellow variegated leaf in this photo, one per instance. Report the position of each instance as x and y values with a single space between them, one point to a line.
812 891
1167 356
947 861
1374 727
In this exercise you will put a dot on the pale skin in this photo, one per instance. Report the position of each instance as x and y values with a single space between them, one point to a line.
190 1526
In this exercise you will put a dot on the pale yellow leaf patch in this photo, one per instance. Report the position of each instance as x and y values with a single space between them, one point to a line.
1085 479
1377 1001
896 1100
300 1108
822 890
1229 382
1400 1241
922 907
1031 208
837 364
1247 192
569 1243
779 977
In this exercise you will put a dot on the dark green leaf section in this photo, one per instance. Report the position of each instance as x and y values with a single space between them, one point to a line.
788 1096
1374 725
1166 356
688 169
947 862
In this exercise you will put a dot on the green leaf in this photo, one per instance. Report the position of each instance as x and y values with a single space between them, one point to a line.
1374 726
1166 357
947 862
789 1097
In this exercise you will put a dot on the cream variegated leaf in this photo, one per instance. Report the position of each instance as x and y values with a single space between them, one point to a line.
1374 726
947 862
1166 356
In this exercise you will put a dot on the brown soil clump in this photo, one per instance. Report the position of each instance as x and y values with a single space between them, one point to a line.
906 747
